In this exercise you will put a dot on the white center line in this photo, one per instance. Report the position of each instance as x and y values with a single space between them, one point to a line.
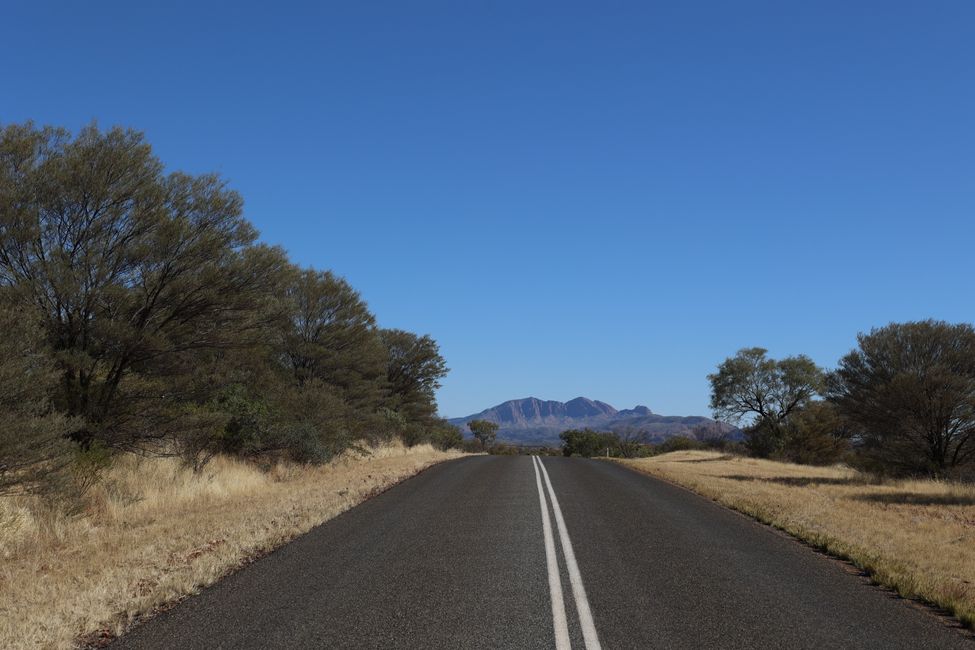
554 579
575 578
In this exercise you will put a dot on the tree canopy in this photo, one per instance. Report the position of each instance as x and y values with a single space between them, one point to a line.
414 369
332 336
484 431
908 391
762 392
146 315
130 268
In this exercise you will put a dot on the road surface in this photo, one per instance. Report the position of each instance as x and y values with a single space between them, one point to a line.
474 553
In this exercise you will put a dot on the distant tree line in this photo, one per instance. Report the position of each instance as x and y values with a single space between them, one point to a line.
902 402
590 443
630 443
139 312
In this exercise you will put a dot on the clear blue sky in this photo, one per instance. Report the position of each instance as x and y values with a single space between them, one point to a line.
600 199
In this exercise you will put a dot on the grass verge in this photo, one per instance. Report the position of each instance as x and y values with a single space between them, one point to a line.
914 536
154 532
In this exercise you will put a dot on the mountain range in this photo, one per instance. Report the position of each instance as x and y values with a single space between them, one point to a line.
532 421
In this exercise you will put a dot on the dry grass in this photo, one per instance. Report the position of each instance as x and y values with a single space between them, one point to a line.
917 537
155 531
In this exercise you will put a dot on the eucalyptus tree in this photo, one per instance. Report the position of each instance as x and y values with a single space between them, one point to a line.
133 271
762 393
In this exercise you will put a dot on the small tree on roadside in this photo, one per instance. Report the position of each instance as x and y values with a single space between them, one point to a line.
752 386
484 431
908 391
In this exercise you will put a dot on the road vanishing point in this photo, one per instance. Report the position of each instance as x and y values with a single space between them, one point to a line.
525 552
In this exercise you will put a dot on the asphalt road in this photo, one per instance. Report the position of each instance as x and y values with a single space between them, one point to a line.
464 556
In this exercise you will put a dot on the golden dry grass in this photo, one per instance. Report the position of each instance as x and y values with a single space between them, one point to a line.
155 531
917 537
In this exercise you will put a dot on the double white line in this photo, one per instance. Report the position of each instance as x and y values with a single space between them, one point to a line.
554 578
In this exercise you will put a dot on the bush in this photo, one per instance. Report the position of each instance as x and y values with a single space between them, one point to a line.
815 435
678 443
587 443
444 435
502 449
763 439
33 448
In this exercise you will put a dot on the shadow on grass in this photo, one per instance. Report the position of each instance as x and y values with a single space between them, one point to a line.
705 460
910 498
799 481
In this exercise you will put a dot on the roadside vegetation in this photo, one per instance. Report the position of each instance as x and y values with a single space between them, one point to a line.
871 462
154 530
484 432
916 536
172 387
145 316
902 404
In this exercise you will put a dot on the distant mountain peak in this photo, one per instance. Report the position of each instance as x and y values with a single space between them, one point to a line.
537 421
636 410
585 407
